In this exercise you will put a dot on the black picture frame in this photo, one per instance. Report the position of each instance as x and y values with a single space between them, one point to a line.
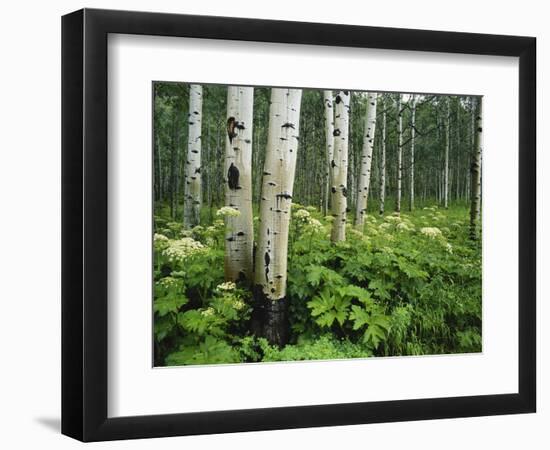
84 224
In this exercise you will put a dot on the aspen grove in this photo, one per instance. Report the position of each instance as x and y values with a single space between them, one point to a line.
302 224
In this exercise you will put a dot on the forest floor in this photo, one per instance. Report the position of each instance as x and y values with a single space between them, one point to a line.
406 284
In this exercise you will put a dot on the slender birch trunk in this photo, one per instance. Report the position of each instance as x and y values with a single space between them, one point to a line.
339 166
411 169
270 313
239 234
192 177
366 161
174 164
446 167
383 163
399 154
475 196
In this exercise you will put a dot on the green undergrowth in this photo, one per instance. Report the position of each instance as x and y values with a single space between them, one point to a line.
404 285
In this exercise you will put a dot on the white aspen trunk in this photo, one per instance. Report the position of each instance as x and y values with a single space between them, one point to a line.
192 177
411 173
383 163
363 184
457 146
399 154
270 274
329 142
339 166
475 196
239 232
446 167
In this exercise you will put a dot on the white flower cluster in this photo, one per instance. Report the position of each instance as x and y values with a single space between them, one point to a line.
227 211
238 304
208 312
227 286
405 226
316 225
180 249
393 219
160 237
160 241
431 232
302 215
166 282
449 248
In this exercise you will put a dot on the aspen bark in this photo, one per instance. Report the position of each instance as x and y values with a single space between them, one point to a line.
399 154
446 166
366 161
475 178
329 142
270 275
383 163
192 177
411 169
339 166
239 234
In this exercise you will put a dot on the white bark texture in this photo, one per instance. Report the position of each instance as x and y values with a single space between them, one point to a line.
339 165
192 177
411 172
329 141
366 161
239 235
475 196
447 143
399 153
383 163
277 184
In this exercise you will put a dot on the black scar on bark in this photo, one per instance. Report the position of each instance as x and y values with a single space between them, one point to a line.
479 129
194 151
344 191
191 123
336 132
288 125
267 259
333 164
267 173
338 99
346 92
198 170
248 141
233 177
240 233
284 195
333 189
231 129
239 125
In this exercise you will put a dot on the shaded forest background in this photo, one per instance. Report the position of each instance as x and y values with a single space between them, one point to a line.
170 117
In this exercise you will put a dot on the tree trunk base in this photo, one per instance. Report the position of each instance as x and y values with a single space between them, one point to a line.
270 318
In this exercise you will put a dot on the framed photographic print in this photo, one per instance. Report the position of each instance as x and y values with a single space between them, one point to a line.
274 224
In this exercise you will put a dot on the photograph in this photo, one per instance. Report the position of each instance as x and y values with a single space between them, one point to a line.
296 224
